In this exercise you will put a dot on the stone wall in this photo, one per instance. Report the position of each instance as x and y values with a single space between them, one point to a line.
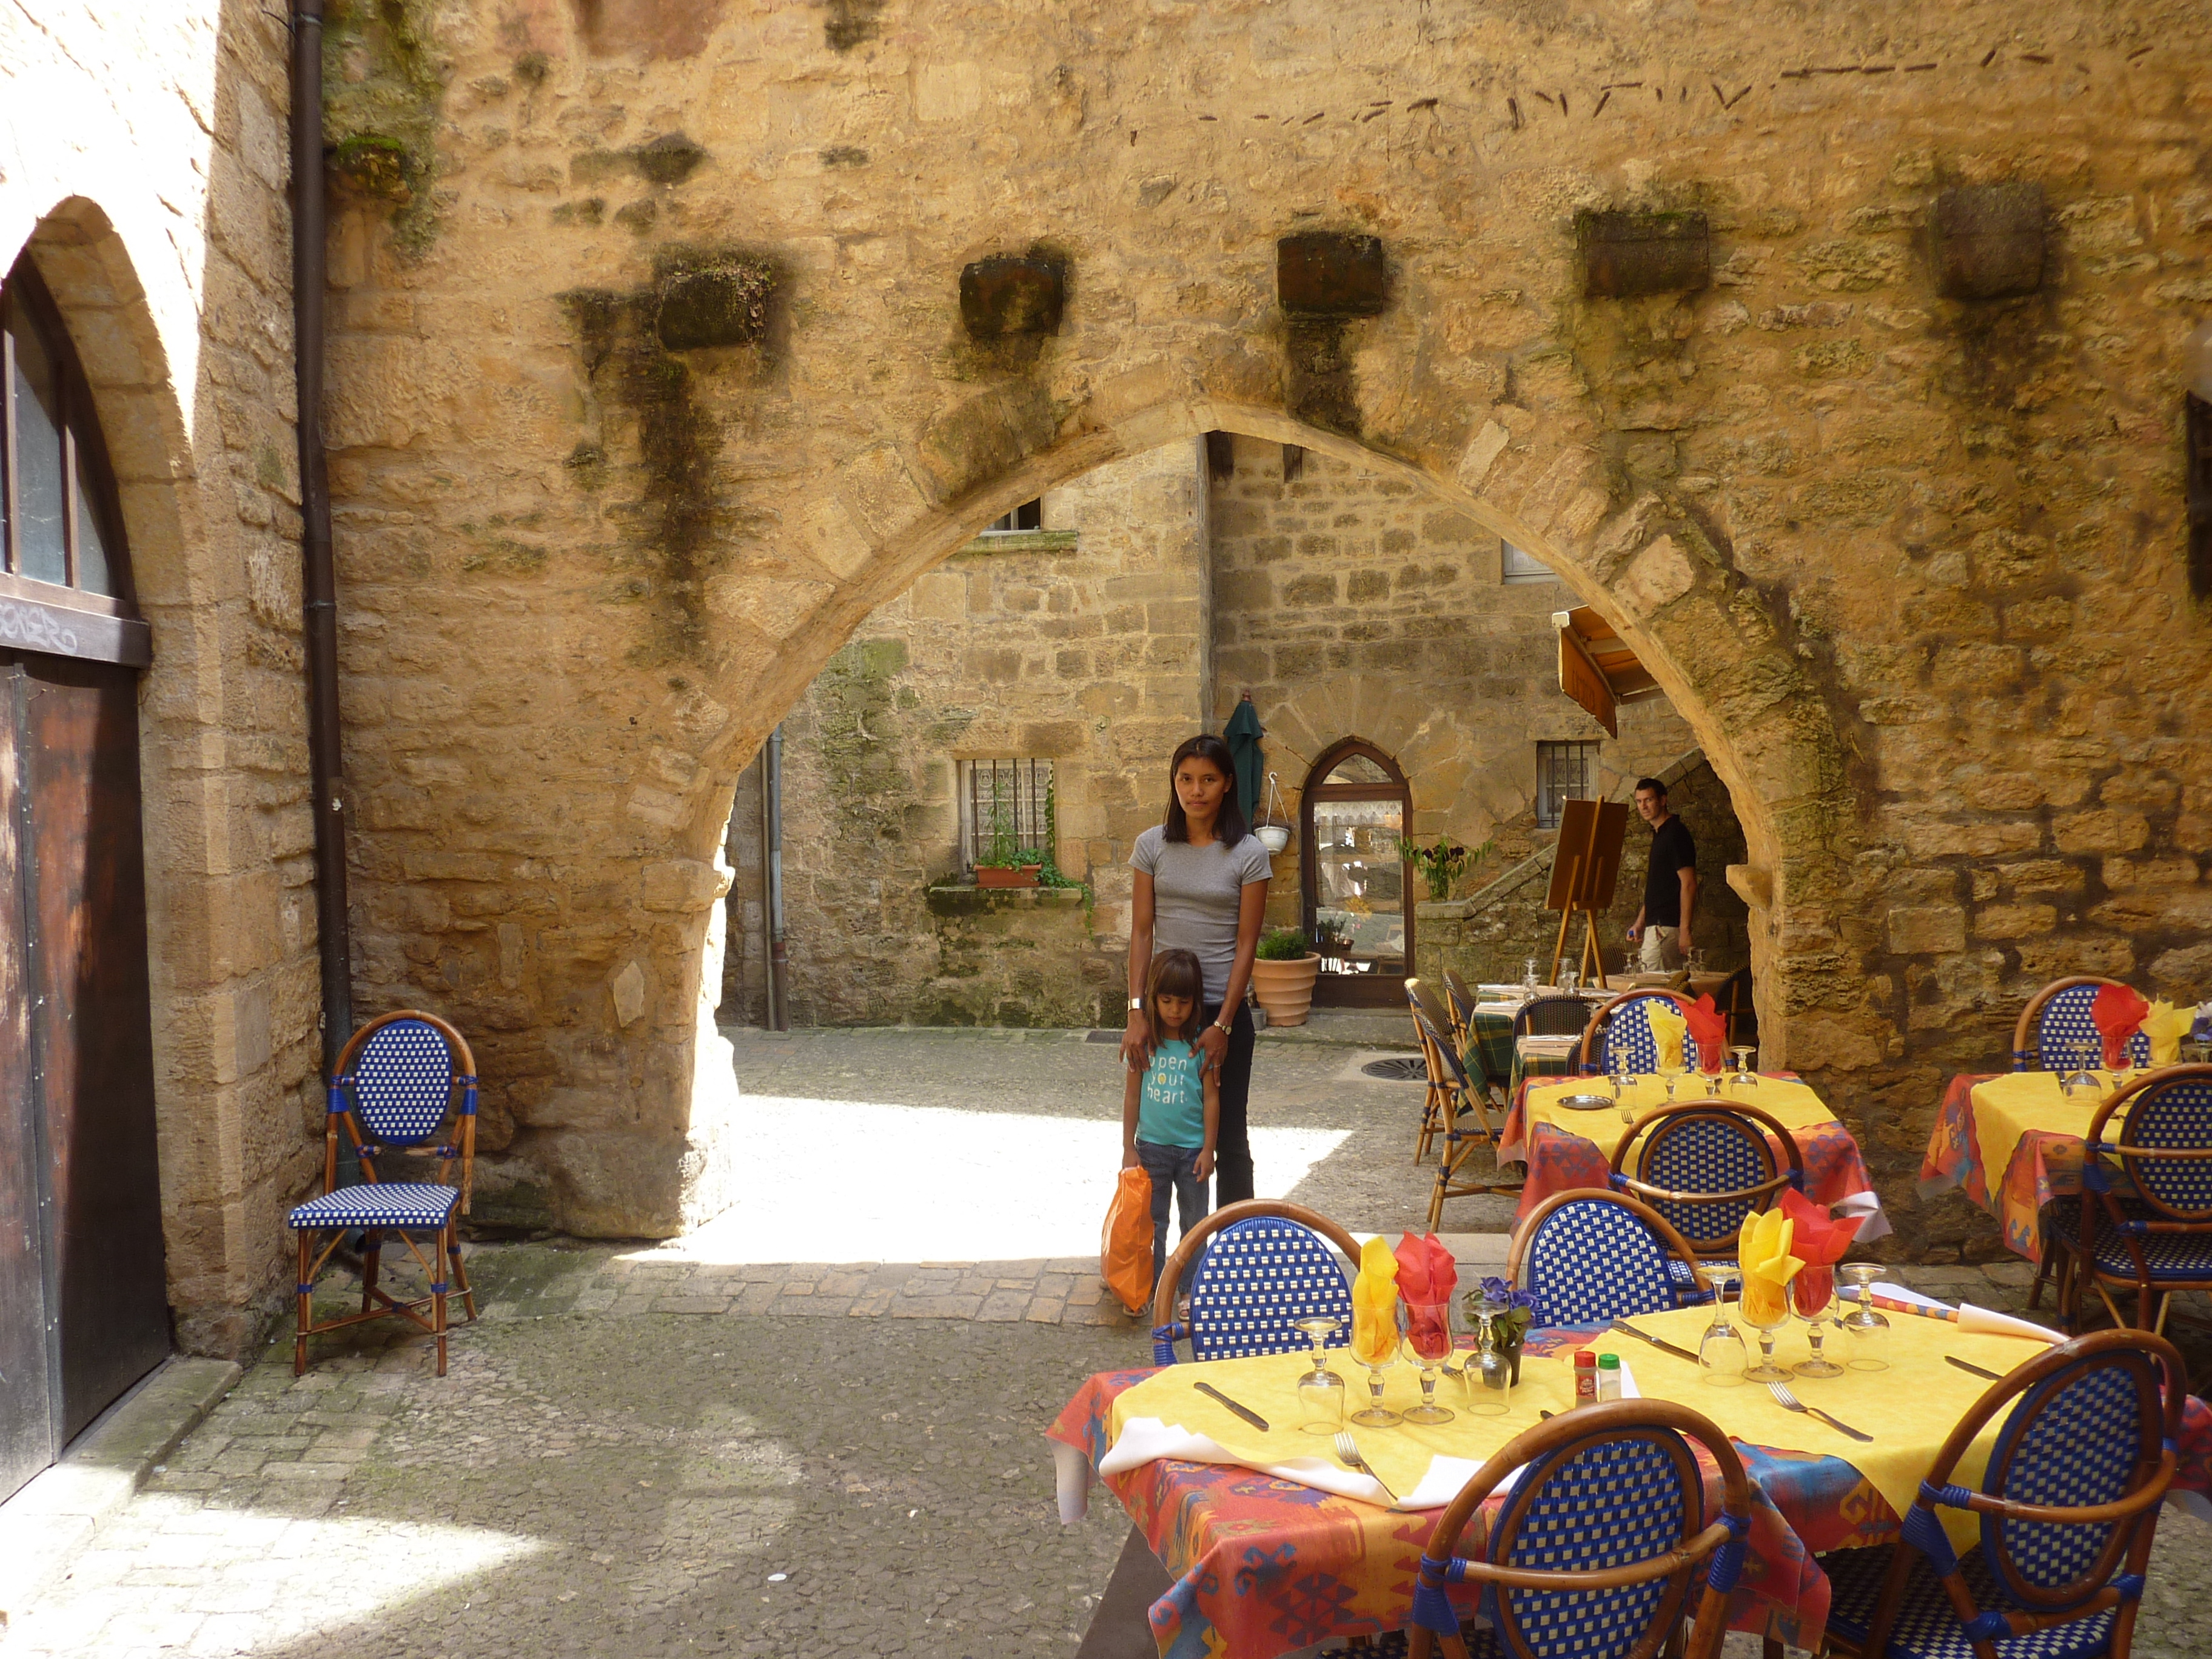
143 165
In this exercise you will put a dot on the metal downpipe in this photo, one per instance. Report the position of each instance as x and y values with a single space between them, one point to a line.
779 983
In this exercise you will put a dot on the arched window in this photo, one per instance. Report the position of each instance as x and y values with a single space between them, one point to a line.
1356 805
64 571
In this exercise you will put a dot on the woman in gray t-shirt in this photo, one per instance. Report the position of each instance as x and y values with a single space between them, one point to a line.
1201 886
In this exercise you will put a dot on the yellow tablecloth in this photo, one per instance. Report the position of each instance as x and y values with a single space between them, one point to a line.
1789 1102
2006 1107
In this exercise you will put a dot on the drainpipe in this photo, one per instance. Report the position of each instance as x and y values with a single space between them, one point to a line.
778 984
325 766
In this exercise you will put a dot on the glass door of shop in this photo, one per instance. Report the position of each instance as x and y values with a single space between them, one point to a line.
1358 893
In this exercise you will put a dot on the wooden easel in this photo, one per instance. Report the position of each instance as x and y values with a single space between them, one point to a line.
1584 875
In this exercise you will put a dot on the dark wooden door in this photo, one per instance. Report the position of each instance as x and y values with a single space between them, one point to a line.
81 894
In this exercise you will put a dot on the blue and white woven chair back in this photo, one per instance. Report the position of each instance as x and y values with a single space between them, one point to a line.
401 1088
1591 1262
2064 1022
1627 1035
1257 1276
2176 1115
1584 1509
1715 1153
2074 1441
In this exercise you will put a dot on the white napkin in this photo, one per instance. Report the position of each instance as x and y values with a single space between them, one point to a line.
1982 1321
1867 1205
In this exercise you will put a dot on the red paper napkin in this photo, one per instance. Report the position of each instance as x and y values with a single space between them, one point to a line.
1426 1277
1709 1030
2118 1014
1817 1238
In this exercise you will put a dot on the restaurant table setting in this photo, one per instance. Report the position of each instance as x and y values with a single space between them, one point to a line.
2013 1140
1274 1541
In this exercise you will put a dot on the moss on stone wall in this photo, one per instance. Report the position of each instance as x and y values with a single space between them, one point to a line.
384 85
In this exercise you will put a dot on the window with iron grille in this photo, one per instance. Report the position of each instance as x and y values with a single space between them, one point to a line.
1030 515
1564 771
1004 806
1516 566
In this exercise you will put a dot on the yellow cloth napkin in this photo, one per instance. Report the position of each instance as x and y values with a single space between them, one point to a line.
1667 1030
1789 1102
1762 1251
1375 1304
2166 1025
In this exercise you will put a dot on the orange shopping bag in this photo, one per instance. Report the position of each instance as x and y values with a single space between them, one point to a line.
1125 1245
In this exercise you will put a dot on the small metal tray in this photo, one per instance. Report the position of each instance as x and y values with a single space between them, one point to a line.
1585 1104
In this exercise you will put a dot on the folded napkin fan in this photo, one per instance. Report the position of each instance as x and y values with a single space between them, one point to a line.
1375 1304
1763 1251
1668 1028
2118 1013
1709 1026
1426 1277
1816 1238
2166 1025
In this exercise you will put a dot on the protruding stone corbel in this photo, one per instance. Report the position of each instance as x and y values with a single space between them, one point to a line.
1753 884
1325 274
1989 240
1625 254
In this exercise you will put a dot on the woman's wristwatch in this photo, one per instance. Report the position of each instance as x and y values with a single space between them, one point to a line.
1135 1003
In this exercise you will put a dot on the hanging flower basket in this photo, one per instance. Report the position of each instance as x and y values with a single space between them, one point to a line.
1273 829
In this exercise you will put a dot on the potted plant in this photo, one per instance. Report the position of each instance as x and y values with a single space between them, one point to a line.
1003 864
1441 865
1283 975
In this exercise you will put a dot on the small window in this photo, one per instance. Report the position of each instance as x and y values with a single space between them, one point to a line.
1030 515
1516 566
1564 771
57 511
1005 807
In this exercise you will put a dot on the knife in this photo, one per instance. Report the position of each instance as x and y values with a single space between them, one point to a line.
1626 1329
1244 1411
1950 1359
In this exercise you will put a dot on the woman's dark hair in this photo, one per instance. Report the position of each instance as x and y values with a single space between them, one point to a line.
1175 973
1229 827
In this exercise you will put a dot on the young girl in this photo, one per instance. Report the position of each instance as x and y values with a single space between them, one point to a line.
1171 1110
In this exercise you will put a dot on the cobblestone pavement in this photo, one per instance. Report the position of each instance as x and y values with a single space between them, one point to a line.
634 1441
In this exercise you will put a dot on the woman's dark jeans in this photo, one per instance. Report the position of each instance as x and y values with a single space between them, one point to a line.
1232 1141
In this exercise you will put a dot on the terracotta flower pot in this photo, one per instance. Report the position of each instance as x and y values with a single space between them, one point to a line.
1285 988
1000 876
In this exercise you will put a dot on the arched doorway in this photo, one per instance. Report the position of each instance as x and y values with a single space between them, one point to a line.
1359 903
83 1303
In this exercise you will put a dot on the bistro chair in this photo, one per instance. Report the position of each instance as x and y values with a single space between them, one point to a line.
1265 1265
1705 1167
406 1087
2068 1508
1466 1124
1552 1016
1596 1549
2144 1222
1490 1063
1442 1102
1735 1001
1622 1027
1589 1256
2056 1018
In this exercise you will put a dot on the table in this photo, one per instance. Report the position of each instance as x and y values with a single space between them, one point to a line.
1566 1149
2023 1127
1492 1052
1262 1565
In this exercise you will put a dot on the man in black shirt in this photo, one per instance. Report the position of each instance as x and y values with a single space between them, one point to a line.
1670 884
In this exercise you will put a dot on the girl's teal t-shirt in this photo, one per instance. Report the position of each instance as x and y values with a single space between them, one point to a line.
1171 1109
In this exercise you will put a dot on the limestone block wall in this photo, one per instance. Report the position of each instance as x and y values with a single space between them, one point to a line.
1912 567
143 164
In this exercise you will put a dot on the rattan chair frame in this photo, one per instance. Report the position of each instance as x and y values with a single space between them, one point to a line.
2027 1052
1452 1180
1191 1245
428 1312
1789 1166
2129 1544
1659 1421
1464 1003
1440 1106
1517 1251
2075 1268
1598 1020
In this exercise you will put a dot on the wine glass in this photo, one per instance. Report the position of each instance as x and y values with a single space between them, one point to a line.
1428 1338
1624 1085
1569 979
1721 1357
1744 1078
1321 1390
1864 1331
1764 1306
1812 1299
1709 1062
2086 1056
1375 1414
1528 976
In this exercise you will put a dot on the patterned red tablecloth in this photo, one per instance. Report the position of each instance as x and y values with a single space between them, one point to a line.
1558 1159
1263 1567
2043 1166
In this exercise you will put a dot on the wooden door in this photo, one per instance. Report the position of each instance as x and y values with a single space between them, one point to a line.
86 1070
27 1437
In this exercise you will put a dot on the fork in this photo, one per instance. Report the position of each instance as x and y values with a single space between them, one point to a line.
1348 1454
1790 1402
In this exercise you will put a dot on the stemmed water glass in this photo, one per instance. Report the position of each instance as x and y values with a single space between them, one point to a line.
2082 1075
1428 1337
1764 1306
1813 1298
1864 1331
1321 1390
1709 1062
1375 1414
1721 1357
1743 1077
1528 976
